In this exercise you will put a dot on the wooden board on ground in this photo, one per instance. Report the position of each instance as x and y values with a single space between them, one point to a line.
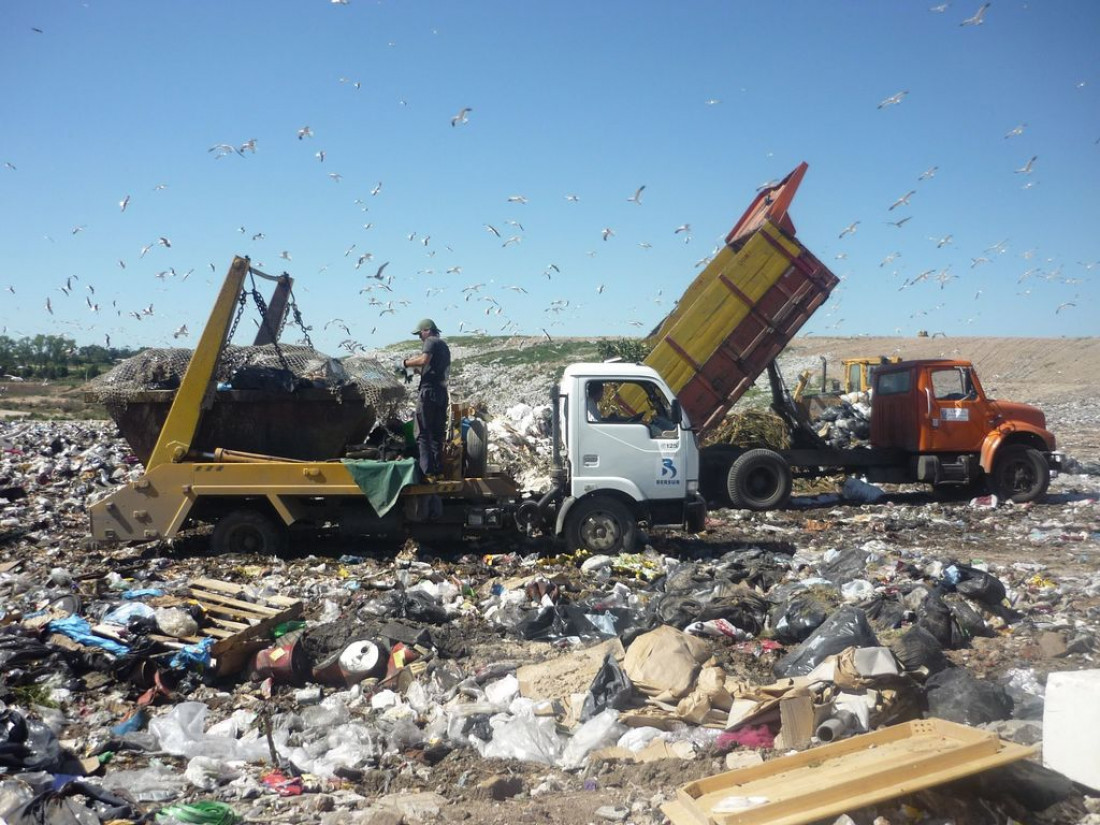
843 776
239 627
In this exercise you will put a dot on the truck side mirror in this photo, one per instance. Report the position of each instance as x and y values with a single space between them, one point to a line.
677 412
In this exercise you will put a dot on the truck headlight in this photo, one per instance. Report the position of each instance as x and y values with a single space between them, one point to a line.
693 487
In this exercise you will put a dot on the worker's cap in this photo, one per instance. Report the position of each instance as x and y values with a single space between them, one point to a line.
425 323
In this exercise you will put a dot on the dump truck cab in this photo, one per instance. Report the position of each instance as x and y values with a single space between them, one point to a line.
937 411
629 454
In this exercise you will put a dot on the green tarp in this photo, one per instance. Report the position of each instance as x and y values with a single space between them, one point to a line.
382 481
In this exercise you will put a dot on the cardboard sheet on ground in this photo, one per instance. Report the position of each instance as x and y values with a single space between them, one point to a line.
663 664
564 676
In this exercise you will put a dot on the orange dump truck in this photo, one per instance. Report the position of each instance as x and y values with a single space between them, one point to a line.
931 421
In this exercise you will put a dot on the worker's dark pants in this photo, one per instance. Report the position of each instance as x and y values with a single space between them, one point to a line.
431 421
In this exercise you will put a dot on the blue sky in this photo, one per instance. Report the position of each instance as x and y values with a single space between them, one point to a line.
699 102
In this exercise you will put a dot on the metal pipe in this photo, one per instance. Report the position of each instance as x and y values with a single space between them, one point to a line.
224 456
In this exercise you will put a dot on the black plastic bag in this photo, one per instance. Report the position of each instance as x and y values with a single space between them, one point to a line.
846 627
974 583
884 612
918 648
547 624
938 619
611 688
27 744
955 695
793 621
64 808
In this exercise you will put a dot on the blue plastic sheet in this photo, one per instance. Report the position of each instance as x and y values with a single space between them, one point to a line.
142 593
78 629
195 656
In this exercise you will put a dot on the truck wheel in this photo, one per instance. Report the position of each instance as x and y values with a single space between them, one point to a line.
476 448
759 480
1020 474
248 531
601 524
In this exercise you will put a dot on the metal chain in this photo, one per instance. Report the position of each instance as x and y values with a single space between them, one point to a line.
298 320
261 305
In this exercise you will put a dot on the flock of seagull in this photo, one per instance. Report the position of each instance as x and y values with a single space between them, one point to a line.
379 285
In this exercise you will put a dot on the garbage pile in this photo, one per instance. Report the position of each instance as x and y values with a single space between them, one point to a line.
350 682
847 423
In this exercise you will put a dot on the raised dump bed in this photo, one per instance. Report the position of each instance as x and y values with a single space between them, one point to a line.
311 411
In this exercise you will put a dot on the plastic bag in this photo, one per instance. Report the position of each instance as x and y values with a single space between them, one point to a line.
611 688
846 627
918 648
861 492
64 807
601 730
27 744
954 694
936 617
974 583
522 735
794 621
180 732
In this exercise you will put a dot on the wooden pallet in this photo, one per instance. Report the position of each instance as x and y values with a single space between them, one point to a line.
824 782
239 628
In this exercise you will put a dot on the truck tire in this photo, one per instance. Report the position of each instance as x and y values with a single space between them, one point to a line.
476 449
759 480
601 524
1020 474
248 531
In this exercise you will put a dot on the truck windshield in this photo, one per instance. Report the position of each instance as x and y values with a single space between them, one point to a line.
636 402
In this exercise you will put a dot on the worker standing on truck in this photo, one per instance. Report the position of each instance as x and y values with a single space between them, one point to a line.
434 363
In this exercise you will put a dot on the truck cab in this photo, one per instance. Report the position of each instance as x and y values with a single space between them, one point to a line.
937 411
630 455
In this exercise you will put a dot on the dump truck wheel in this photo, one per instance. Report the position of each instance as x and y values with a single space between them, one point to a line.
601 524
248 531
1020 474
476 448
759 480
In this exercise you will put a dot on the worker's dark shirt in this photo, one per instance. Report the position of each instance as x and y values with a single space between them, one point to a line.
438 368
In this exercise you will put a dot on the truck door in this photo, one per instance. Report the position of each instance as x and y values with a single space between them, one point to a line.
625 439
955 406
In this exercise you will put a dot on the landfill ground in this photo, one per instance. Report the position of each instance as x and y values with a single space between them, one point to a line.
410 763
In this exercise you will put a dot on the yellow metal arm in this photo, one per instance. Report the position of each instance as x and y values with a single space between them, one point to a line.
183 419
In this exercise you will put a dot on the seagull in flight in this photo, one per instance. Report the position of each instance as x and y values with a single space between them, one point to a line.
490 228
463 116
637 196
181 332
930 172
1026 169
900 223
1015 132
517 199
607 232
305 132
377 188
573 198
978 17
122 204
892 100
903 200
849 229
684 227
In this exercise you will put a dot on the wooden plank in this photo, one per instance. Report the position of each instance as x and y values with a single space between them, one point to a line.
246 609
230 589
844 776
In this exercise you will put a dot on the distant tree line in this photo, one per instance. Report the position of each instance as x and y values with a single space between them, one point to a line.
55 356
